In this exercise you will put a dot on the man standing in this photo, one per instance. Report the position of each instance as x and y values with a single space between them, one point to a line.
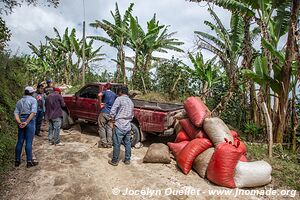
105 129
40 96
25 111
122 114
49 89
54 113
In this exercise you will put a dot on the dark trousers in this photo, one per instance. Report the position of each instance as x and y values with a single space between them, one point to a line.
39 119
25 134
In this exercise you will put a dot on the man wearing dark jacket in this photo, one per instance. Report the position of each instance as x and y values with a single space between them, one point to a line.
40 96
54 113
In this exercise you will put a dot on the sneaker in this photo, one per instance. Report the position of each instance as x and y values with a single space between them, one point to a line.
127 162
32 164
102 145
17 163
112 163
109 146
60 144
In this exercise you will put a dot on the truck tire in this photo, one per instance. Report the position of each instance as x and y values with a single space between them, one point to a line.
135 134
65 121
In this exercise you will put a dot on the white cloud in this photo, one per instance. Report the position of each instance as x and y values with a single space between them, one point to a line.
34 23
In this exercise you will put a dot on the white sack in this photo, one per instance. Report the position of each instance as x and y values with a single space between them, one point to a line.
252 174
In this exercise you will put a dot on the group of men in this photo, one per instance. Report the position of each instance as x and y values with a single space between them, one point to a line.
47 103
44 103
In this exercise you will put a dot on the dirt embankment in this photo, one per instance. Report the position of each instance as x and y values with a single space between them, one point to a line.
79 170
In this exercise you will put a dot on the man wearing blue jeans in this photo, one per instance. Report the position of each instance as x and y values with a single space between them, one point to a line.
54 113
122 114
25 112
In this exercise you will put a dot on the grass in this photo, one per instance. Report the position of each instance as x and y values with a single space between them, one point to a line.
286 169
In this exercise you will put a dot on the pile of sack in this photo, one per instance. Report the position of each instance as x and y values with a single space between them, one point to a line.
206 144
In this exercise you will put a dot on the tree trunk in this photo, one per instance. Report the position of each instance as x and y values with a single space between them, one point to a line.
247 64
269 128
294 121
291 49
253 98
123 67
222 104
117 77
267 54
204 92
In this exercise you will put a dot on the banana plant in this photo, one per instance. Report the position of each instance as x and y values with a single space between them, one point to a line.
117 35
206 72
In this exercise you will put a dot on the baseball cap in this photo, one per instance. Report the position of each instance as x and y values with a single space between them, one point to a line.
57 89
29 89
49 81
108 85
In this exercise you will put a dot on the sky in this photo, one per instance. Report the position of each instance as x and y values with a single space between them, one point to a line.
29 23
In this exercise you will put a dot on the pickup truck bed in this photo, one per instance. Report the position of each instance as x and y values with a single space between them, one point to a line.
149 116
151 105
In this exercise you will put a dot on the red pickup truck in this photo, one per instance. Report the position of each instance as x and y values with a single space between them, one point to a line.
149 117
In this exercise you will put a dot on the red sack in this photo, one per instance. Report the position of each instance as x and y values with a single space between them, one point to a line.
196 110
222 165
234 133
182 136
201 134
189 153
177 147
243 158
240 145
190 129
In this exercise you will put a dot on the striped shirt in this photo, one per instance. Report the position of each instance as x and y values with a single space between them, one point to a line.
26 106
122 112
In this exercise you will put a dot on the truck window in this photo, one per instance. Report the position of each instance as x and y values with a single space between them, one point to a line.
90 92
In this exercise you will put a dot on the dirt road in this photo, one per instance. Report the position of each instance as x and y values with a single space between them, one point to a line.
79 170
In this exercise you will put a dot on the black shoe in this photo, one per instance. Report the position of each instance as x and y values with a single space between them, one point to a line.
17 163
102 145
32 164
113 163
127 162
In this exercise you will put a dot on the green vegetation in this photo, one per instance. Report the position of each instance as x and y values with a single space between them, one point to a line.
242 83
12 85
286 169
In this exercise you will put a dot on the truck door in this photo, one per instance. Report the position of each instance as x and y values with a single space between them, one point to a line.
87 103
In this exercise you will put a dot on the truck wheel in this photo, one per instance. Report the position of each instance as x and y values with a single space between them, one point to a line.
135 134
65 121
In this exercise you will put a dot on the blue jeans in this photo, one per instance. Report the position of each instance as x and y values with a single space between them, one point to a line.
119 136
39 119
27 134
54 129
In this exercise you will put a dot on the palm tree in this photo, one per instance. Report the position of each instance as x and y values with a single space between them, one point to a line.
205 72
64 46
227 46
144 44
117 33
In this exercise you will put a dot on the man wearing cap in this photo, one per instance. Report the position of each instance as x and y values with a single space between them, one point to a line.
54 113
40 96
25 112
105 129
49 88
